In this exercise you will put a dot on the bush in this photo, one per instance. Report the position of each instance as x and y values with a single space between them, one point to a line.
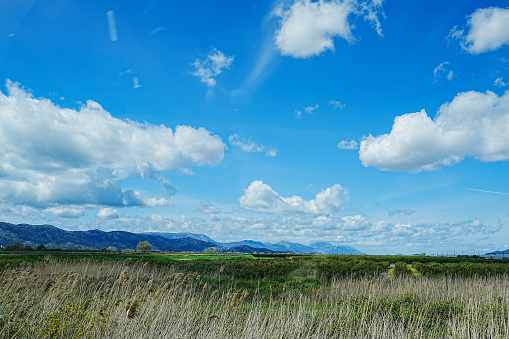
400 268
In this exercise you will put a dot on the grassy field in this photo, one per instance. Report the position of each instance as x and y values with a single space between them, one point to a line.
156 296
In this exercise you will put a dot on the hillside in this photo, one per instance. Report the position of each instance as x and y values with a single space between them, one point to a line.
54 237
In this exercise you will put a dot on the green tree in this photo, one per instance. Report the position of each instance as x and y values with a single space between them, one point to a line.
400 268
144 246
17 246
41 247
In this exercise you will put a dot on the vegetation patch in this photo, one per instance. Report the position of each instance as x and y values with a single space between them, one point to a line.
144 296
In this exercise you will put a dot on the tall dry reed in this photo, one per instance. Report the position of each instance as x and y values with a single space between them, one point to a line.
91 299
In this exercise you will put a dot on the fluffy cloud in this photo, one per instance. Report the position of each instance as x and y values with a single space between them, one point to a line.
348 144
473 124
309 28
211 67
260 197
108 213
251 146
66 211
54 156
488 30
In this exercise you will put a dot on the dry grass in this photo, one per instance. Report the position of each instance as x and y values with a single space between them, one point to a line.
90 299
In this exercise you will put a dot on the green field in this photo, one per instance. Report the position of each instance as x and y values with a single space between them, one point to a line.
183 295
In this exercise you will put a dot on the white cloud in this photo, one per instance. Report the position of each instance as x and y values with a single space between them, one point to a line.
153 202
211 67
311 109
348 144
251 146
208 208
108 213
473 124
337 104
307 110
500 82
455 33
260 197
442 69
309 28
355 230
66 211
52 156
488 30
372 12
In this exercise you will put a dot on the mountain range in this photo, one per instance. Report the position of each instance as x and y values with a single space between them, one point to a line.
54 237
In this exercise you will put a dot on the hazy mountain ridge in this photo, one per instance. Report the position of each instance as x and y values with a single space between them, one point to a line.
282 246
503 254
54 237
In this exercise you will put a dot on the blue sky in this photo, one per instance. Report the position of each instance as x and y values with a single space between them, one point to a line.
379 124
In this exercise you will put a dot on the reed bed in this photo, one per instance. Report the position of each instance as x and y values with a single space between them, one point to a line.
93 299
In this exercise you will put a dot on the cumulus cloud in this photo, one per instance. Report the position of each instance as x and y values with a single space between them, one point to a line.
473 124
309 28
57 156
348 144
153 202
211 67
261 197
488 30
108 213
66 211
251 146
